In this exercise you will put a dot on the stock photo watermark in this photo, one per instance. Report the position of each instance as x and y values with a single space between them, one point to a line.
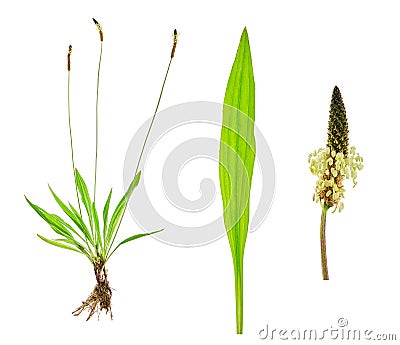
190 221
341 331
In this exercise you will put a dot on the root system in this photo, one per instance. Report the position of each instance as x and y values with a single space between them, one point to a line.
100 298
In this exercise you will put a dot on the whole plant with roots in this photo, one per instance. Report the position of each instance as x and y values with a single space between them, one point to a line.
86 231
332 165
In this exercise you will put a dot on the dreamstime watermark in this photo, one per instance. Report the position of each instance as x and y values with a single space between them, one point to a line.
341 331
197 220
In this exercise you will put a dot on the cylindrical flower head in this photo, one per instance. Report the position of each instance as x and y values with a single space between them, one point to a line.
69 58
338 131
336 162
98 26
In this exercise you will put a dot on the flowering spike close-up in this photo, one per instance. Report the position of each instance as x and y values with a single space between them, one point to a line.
175 42
69 58
98 25
333 165
336 162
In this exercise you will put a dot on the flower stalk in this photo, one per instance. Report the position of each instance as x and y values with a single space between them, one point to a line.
175 41
69 123
324 259
100 29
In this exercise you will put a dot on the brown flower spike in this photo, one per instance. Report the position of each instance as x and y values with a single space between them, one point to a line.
99 28
69 58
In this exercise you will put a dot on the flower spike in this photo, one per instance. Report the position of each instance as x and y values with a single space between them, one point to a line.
99 28
333 165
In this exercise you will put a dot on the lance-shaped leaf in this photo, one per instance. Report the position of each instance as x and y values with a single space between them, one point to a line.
85 197
119 212
58 243
73 215
236 157
105 214
132 238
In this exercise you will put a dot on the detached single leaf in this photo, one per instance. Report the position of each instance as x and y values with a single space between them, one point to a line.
236 157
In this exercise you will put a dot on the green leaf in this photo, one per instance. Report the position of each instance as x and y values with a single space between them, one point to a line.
236 156
64 224
85 197
52 220
73 215
57 243
64 207
61 227
105 214
96 225
120 210
78 245
131 238
83 227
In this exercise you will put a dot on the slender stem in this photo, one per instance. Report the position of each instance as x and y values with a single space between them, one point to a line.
97 121
239 295
324 259
153 118
71 143
141 152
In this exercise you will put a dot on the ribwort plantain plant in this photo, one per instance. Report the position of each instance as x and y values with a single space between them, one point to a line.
88 234
333 165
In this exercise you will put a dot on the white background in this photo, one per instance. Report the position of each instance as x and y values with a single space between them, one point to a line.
164 294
